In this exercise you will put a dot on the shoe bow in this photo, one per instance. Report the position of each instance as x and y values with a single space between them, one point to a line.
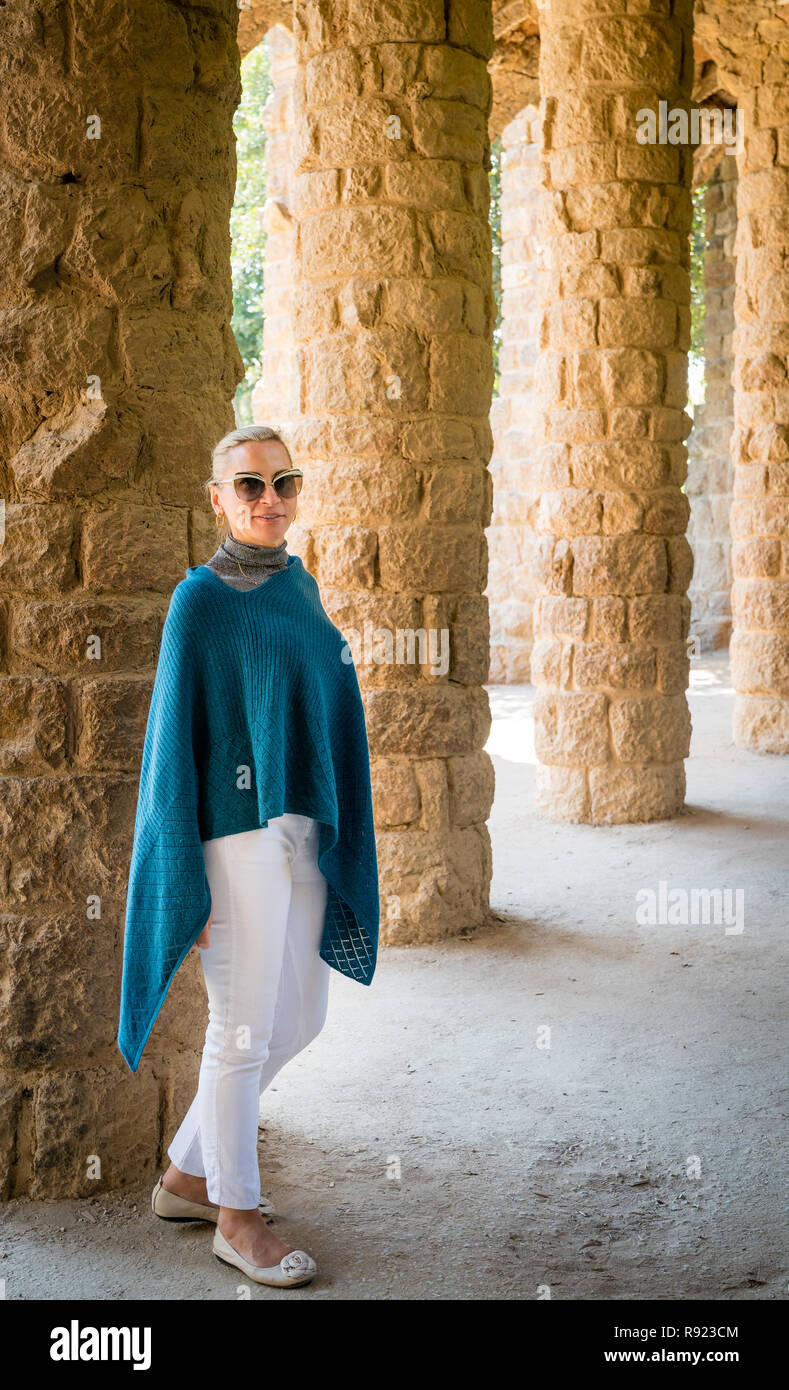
295 1261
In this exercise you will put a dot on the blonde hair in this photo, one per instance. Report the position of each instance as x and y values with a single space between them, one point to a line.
248 434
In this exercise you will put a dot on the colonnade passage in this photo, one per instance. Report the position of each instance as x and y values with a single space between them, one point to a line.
574 532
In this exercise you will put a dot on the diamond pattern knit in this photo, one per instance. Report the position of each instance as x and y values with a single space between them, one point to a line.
254 713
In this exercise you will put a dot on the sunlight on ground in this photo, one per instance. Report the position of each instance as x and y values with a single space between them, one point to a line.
711 675
512 730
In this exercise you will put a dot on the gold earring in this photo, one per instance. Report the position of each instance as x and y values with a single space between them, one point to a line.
220 520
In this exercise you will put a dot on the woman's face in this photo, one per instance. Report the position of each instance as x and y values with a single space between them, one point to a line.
264 521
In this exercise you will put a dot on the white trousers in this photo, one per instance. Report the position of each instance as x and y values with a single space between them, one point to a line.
267 995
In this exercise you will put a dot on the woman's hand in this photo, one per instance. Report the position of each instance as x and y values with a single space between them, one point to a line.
204 939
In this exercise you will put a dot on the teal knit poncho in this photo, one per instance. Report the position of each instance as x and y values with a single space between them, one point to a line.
254 713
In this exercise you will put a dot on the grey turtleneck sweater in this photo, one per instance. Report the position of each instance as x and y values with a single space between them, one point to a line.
258 562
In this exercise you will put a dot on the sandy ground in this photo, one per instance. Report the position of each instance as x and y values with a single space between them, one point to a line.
428 1146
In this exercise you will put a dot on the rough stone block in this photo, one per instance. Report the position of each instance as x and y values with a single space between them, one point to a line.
637 323
37 551
571 728
626 565
81 828
650 728
435 560
85 636
111 722
35 724
346 556
58 986
620 667
101 1113
395 793
561 793
761 723
655 618
435 883
471 782
436 722
760 663
625 795
127 548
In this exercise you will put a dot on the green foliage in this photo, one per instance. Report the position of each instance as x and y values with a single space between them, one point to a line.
248 252
494 177
698 241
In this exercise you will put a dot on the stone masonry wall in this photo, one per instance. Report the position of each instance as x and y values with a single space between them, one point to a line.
393 311
117 372
516 418
709 484
760 511
612 724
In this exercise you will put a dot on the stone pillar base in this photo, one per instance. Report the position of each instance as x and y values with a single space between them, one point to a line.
761 723
610 795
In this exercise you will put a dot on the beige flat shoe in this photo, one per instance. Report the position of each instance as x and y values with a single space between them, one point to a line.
292 1270
168 1206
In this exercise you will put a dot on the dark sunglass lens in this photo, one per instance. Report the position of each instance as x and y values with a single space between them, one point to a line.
289 486
249 489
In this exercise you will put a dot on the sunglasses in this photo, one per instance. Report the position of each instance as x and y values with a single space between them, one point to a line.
249 486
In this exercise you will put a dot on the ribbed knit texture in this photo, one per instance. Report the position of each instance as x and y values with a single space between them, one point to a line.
254 713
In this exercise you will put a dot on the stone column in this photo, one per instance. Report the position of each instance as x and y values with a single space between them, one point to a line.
515 418
612 723
118 370
709 485
275 399
760 444
393 311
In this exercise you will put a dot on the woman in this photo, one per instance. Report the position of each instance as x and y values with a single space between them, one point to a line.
253 839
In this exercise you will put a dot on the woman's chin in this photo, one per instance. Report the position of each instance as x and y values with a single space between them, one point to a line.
264 533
